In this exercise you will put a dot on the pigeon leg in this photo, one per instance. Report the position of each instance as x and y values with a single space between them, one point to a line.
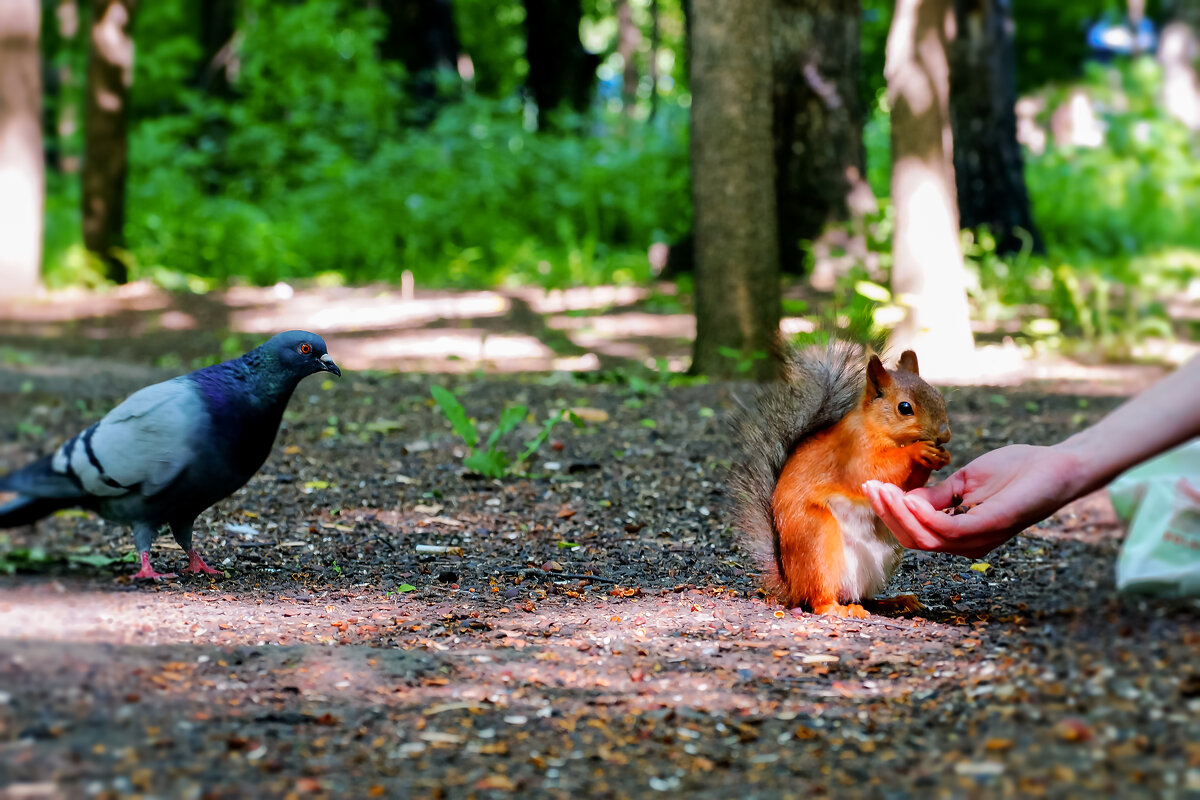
143 535
183 535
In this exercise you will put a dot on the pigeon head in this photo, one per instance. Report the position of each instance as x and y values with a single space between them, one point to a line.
300 353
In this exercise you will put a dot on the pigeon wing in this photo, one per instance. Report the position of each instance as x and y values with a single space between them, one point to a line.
140 446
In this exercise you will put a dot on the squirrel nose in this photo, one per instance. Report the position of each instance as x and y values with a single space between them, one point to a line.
943 435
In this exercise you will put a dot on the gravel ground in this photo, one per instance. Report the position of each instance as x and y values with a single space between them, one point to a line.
390 626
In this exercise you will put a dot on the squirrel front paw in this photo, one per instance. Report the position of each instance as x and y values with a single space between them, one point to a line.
930 455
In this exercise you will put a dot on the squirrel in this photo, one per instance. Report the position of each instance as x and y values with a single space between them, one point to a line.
809 444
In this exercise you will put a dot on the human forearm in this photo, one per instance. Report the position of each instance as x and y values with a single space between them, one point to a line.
1158 419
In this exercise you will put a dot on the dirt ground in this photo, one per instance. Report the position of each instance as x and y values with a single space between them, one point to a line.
391 627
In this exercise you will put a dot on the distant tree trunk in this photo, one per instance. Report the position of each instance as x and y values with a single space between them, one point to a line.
65 120
560 70
988 166
22 161
653 58
217 68
927 267
105 150
1178 51
629 38
421 35
737 260
818 118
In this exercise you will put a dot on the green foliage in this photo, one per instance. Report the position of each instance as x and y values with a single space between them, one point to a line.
490 460
37 559
1136 192
492 32
314 164
1117 220
743 362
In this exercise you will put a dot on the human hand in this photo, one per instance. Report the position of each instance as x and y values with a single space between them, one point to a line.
1007 490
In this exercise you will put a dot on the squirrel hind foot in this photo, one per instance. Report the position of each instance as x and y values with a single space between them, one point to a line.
850 610
900 604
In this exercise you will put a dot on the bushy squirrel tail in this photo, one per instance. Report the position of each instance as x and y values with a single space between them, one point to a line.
820 385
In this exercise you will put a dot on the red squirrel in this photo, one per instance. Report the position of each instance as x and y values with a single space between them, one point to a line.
809 444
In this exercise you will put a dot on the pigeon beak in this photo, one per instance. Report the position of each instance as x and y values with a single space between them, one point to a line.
327 364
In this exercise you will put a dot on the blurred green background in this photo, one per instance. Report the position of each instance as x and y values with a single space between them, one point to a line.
315 145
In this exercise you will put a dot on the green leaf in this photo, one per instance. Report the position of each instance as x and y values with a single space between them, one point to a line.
92 559
567 545
454 412
510 418
406 587
536 443
488 463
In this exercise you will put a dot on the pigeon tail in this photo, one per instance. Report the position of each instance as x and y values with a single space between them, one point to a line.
28 510
41 480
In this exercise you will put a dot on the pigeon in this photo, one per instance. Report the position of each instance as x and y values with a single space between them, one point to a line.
172 449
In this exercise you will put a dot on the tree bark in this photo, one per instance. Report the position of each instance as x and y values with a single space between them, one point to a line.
653 58
1178 51
818 118
989 169
218 24
105 152
560 70
421 35
928 277
629 38
737 259
65 121
22 162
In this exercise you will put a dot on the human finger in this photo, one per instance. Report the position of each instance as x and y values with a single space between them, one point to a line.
942 495
900 520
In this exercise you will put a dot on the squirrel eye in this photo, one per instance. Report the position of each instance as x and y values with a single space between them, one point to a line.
905 408
306 348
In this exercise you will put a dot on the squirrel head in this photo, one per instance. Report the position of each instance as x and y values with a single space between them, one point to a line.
902 405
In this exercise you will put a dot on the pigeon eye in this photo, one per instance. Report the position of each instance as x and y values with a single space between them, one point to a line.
306 348
905 409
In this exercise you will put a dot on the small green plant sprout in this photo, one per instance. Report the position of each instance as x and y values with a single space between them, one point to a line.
743 362
488 459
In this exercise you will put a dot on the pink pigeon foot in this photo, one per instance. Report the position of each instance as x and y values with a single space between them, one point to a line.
196 564
147 572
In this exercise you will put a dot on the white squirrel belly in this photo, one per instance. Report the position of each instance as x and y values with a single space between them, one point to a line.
870 551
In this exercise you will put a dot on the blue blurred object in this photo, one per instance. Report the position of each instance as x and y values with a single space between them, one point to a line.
1115 36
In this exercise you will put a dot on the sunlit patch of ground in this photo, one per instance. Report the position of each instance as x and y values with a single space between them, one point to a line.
509 330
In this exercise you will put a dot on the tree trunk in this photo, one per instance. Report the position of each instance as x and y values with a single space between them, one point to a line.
988 166
560 70
653 58
65 121
22 162
105 151
1178 51
422 36
928 277
818 118
218 24
629 38
737 257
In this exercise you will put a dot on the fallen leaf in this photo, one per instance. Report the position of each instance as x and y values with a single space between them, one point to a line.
589 414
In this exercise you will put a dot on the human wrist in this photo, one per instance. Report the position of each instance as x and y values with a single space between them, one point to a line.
1084 463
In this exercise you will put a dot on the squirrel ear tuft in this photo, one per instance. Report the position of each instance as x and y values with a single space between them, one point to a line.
878 378
908 362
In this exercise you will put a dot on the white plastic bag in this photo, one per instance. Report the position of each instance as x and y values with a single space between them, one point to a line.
1159 504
